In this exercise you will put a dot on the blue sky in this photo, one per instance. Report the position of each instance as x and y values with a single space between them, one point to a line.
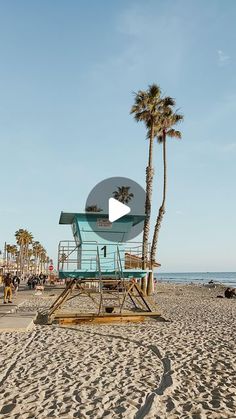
67 73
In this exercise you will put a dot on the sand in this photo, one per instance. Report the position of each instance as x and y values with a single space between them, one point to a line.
182 368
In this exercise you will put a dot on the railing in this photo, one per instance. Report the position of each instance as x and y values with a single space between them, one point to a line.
112 256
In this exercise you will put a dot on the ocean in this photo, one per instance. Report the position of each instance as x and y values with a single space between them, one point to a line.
225 278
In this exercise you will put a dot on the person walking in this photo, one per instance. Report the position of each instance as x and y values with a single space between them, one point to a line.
16 282
7 288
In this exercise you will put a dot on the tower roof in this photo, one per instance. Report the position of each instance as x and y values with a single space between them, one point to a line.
68 217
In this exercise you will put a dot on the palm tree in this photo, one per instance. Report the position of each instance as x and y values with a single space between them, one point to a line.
93 208
14 250
165 129
8 252
122 194
17 260
23 238
11 251
29 260
147 107
47 261
37 249
62 260
42 258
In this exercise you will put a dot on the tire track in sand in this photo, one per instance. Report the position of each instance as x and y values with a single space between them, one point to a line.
166 379
14 359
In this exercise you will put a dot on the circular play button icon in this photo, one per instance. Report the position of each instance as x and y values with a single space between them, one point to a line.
115 210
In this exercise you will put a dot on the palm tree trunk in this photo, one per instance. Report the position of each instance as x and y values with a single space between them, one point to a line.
159 218
7 261
149 182
38 265
21 258
24 258
17 262
27 258
4 258
35 263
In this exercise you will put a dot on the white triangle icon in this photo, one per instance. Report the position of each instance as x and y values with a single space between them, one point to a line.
117 210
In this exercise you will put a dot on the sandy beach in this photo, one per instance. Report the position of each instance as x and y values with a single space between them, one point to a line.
183 367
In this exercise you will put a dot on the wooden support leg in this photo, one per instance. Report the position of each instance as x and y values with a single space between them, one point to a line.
61 299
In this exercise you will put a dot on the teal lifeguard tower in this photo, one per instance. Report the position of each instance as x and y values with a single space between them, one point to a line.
102 265
100 248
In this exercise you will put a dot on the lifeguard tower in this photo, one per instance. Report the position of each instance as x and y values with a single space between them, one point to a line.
103 265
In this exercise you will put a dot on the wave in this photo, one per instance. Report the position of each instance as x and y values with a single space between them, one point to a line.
219 278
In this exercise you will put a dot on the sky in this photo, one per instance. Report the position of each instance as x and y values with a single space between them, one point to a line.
68 71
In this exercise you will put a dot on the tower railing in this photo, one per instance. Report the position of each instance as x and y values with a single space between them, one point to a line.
71 257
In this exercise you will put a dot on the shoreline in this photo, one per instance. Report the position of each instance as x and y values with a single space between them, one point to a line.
200 282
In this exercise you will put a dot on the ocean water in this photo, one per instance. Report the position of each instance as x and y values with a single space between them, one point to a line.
225 278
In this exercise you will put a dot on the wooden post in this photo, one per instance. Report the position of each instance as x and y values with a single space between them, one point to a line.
144 284
150 284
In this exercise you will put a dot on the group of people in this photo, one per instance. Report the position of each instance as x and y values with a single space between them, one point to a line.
228 293
34 280
11 283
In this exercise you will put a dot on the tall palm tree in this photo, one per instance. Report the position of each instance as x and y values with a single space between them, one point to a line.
147 108
163 130
42 258
17 260
23 238
29 259
8 252
47 261
123 194
37 249
11 251
14 250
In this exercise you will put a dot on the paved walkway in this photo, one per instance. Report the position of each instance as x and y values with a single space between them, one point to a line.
10 319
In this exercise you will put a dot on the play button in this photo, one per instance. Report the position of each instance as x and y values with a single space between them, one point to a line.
117 210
